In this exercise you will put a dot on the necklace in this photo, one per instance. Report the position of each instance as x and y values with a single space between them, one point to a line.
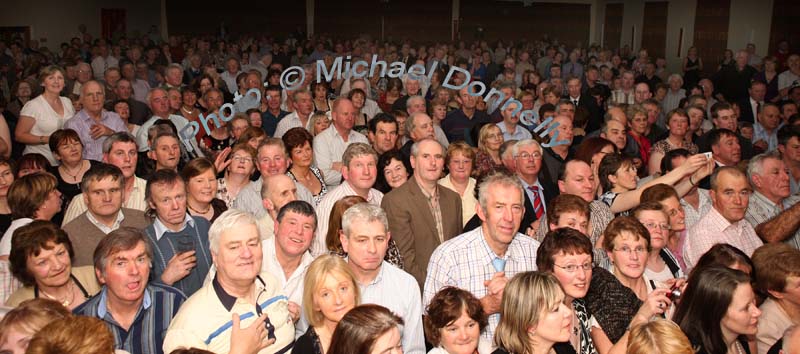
198 211
74 176
67 298
187 111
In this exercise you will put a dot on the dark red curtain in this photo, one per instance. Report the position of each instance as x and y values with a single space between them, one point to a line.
112 21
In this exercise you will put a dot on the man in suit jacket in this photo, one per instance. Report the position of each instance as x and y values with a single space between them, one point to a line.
102 185
750 106
421 213
538 191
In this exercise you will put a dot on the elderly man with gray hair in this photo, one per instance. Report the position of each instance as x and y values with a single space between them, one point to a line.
417 104
418 126
242 309
773 211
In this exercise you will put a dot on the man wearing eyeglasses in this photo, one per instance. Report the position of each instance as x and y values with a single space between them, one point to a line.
730 195
242 310
538 192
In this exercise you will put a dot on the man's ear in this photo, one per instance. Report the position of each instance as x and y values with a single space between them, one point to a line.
343 241
151 154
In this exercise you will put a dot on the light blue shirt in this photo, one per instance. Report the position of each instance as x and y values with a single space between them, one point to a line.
759 133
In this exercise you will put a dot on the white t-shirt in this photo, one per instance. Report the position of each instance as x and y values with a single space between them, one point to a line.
47 121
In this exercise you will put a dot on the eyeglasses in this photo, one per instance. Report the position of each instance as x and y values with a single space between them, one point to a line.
627 250
652 225
572 268
242 159
525 156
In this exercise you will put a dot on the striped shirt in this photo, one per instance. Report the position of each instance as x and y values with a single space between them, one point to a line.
713 229
146 333
466 262
82 124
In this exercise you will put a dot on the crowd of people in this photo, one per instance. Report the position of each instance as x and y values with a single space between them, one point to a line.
395 214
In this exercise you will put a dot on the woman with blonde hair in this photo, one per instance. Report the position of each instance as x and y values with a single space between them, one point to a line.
658 337
533 319
329 291
487 158
76 335
23 322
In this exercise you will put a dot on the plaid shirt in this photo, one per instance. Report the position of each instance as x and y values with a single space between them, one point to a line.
713 229
436 211
466 262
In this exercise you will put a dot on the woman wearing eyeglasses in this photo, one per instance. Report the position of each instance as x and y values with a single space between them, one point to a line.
567 253
661 263
623 296
237 174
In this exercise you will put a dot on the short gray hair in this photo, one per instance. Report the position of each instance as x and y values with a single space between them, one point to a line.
675 77
499 179
409 123
415 146
523 143
228 220
756 164
358 149
363 212
726 169
410 100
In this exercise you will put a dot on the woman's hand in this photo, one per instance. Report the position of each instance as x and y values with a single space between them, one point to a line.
656 304
220 162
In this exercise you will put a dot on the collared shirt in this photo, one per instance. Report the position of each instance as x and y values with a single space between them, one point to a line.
374 197
249 198
436 211
760 209
759 133
399 292
329 147
140 90
620 96
146 334
794 184
292 286
468 200
529 192
291 121
269 121
465 261
714 228
160 228
135 201
103 227
519 132
204 321
82 123
693 215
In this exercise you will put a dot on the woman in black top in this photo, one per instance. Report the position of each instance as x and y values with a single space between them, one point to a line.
329 292
718 310
533 316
